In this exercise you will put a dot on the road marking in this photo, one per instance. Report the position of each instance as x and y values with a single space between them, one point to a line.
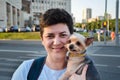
104 55
118 66
19 51
91 54
9 59
101 65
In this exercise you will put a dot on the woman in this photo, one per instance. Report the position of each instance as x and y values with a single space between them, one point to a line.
56 27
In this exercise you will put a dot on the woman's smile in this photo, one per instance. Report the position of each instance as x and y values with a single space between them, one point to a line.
58 48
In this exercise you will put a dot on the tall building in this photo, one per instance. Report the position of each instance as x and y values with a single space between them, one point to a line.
10 12
86 14
100 17
38 7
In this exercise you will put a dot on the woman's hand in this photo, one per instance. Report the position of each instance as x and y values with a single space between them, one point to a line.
80 77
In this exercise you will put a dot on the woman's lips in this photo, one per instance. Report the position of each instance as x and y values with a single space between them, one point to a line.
58 48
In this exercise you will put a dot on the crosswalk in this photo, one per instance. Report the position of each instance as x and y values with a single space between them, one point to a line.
10 60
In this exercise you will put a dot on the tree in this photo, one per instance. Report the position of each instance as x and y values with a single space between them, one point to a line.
78 25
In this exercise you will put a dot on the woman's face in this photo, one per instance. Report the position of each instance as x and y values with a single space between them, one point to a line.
54 38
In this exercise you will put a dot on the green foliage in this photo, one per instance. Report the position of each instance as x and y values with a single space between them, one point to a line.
99 24
79 25
36 35
20 35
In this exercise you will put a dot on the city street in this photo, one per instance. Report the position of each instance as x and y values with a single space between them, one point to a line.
13 52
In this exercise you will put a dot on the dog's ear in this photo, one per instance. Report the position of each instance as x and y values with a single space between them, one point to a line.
88 41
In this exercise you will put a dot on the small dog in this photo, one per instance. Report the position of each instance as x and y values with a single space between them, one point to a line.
77 45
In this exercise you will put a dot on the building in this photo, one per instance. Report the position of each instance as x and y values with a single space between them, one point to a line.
10 12
100 17
92 20
38 7
25 13
86 14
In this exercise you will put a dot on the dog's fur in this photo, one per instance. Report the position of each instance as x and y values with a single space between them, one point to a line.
77 45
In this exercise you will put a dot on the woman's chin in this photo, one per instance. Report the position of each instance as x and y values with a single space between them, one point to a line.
60 55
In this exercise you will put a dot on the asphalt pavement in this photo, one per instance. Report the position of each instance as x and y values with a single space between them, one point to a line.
105 56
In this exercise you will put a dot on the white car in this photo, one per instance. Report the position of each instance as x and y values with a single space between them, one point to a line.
1 29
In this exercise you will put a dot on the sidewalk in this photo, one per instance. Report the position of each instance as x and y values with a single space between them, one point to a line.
102 43
101 49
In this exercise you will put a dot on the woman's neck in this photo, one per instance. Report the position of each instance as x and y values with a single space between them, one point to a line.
56 64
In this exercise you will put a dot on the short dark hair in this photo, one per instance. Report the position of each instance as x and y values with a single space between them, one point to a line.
55 16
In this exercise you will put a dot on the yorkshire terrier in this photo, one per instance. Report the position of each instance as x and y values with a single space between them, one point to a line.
77 45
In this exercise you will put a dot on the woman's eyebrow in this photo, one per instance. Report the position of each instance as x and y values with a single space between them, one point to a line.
64 32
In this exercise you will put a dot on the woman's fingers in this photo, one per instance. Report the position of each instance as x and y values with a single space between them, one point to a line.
85 69
80 77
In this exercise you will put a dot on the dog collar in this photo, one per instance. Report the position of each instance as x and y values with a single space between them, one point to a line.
76 55
83 51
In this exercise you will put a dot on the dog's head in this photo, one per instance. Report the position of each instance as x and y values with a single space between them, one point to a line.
77 43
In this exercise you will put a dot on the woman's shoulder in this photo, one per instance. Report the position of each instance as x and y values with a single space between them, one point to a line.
27 62
22 71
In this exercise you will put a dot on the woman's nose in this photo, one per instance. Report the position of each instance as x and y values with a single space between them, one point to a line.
56 41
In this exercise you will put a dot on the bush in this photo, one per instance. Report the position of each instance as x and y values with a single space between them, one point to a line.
20 35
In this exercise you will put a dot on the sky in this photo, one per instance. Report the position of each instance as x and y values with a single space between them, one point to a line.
97 6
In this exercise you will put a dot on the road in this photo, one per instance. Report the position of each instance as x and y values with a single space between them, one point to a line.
12 53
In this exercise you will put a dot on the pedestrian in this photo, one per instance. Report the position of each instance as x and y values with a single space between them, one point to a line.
56 27
91 34
112 36
99 36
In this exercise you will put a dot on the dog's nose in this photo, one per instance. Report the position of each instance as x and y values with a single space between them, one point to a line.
71 46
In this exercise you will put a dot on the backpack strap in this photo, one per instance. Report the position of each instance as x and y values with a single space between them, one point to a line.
36 68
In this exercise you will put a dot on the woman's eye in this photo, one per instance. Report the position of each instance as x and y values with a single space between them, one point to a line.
50 36
63 35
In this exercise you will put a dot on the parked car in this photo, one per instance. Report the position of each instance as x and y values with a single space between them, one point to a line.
1 29
78 29
28 29
5 29
37 28
24 29
13 29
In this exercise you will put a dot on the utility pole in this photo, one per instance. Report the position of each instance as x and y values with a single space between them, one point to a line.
105 15
116 24
105 9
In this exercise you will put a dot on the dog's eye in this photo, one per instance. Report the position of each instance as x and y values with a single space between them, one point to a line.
69 41
78 43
